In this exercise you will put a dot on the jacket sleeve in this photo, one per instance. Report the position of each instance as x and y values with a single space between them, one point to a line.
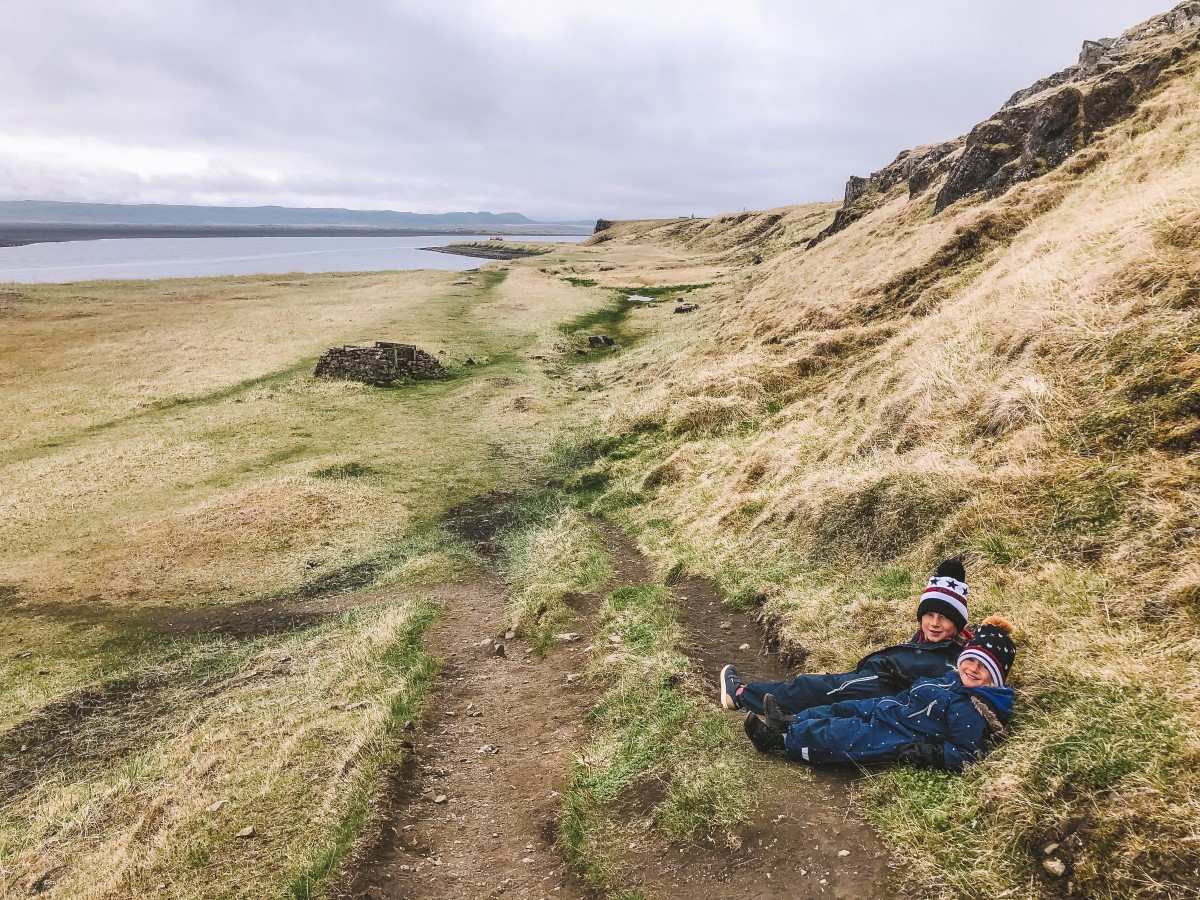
965 733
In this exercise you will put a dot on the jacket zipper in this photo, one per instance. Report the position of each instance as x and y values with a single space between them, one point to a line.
846 684
924 712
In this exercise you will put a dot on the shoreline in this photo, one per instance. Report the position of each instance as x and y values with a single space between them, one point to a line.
22 235
478 251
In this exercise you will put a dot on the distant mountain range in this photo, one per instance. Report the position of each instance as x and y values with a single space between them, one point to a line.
53 212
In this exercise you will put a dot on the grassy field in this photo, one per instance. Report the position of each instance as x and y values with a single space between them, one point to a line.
1012 381
168 464
164 449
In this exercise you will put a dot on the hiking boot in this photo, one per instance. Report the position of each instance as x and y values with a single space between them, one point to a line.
764 738
729 687
774 714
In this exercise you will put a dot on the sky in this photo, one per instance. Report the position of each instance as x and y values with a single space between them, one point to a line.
560 109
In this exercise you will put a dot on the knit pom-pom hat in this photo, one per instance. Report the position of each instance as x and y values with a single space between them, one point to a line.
946 593
992 646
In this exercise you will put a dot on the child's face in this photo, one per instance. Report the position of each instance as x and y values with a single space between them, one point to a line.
973 674
936 627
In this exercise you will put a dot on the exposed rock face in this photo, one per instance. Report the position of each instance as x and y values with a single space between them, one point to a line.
1038 127
918 167
380 365
602 225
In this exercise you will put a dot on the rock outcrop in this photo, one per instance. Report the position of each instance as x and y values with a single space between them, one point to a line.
918 167
1039 127
380 365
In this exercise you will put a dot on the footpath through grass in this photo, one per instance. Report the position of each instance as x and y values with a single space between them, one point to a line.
658 755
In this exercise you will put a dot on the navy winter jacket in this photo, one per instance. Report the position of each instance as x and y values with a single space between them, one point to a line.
935 712
878 674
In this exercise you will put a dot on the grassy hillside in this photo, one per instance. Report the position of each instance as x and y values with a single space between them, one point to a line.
1012 380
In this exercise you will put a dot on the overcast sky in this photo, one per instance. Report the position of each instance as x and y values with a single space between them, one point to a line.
554 108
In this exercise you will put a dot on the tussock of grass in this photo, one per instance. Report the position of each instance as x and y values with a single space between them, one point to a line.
344 470
428 556
658 755
554 554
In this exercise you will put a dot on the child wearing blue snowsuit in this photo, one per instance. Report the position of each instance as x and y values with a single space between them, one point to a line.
944 722
932 653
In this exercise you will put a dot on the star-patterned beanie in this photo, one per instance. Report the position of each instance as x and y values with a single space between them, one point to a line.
946 593
992 646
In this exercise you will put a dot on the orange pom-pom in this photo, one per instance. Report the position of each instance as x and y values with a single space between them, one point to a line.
1000 622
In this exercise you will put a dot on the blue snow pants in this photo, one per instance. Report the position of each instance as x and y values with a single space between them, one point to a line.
805 691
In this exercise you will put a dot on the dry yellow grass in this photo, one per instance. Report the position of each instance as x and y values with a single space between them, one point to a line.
174 461
834 421
282 737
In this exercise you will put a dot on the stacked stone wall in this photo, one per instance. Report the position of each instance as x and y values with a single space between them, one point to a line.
380 364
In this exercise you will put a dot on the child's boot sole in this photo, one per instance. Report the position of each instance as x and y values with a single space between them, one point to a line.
727 699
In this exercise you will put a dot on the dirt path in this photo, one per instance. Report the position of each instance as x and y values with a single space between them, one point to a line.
477 812
478 800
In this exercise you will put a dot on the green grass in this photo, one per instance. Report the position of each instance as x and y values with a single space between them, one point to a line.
553 553
612 318
664 290
892 583
1086 746
609 319
426 555
404 662
156 408
344 470
649 730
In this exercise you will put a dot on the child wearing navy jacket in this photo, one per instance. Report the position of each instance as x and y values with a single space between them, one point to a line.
944 722
933 652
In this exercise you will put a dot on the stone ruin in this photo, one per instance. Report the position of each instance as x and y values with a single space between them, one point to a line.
379 365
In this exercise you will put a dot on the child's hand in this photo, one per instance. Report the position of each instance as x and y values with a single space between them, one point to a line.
924 754
890 671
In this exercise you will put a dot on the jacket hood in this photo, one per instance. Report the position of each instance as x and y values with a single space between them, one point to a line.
998 698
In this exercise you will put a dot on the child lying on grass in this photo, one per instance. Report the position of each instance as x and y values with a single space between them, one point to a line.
944 722
933 651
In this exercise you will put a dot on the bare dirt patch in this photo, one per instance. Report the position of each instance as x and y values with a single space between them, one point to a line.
309 604
481 519
84 730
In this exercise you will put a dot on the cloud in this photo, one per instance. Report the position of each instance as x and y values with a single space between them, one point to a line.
555 109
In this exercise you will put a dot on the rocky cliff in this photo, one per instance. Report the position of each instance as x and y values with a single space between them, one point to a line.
1039 127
